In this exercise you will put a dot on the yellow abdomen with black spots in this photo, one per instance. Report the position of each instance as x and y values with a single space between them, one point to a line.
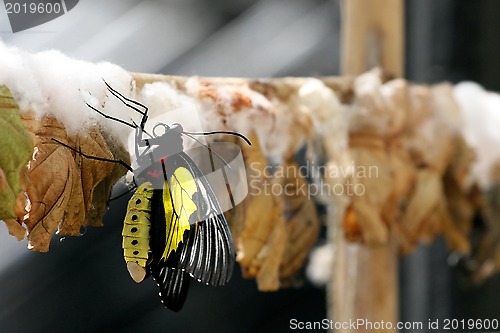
136 228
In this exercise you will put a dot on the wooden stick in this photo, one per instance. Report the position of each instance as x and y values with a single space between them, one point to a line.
364 283
372 35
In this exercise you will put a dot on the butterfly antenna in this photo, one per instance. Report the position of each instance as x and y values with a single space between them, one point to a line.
214 152
127 101
122 163
130 103
143 130
221 132
110 117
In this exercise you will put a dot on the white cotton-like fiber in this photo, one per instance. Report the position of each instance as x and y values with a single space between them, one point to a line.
328 116
221 114
169 106
163 100
319 269
480 111
51 83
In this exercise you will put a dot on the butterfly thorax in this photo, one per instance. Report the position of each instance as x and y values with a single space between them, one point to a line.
157 150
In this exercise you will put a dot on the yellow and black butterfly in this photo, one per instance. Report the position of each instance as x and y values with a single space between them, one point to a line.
174 228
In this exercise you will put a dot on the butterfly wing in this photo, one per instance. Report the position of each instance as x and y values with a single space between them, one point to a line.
189 234
208 255
173 282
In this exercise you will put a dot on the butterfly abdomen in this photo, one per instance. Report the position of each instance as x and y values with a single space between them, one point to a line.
136 231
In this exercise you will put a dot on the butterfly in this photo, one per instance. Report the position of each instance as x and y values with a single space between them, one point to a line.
174 228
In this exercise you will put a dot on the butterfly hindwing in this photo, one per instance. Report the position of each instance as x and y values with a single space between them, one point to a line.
173 284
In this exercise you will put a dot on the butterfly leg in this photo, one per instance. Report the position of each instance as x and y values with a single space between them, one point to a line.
121 162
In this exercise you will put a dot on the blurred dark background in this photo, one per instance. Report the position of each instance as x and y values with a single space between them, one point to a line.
82 284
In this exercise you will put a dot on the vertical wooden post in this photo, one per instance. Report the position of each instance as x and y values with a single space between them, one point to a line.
372 35
364 282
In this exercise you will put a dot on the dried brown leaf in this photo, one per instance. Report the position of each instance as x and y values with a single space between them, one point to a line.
15 229
405 243
374 230
260 238
460 206
53 176
403 174
350 225
302 225
488 248
457 241
63 181
424 199
97 177
102 190
257 227
268 277
373 174
302 231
